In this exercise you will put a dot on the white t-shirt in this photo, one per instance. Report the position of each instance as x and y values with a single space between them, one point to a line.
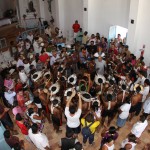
37 48
125 142
125 110
23 77
73 121
53 59
100 66
27 68
35 120
140 80
30 37
146 106
145 93
10 97
40 140
138 128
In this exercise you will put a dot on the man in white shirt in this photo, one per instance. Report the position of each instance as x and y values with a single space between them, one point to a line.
146 107
20 61
48 31
22 75
10 96
54 57
30 37
36 46
100 65
123 113
39 139
73 116
140 79
146 89
139 127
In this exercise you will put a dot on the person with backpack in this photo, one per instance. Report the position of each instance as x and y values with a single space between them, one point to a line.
89 127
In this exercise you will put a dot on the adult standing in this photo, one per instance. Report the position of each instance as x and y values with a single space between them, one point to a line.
130 142
39 139
75 27
68 142
88 121
146 107
139 127
100 65
10 96
73 116
123 113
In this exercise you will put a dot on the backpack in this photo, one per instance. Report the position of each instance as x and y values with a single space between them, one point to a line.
86 132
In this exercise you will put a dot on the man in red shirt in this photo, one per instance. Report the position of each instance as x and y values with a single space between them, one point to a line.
113 49
75 28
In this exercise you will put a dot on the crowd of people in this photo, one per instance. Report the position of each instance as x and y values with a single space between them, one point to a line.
87 85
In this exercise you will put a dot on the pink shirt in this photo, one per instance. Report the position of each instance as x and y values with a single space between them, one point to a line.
17 110
8 83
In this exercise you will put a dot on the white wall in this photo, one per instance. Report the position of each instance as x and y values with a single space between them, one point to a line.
142 33
105 13
67 11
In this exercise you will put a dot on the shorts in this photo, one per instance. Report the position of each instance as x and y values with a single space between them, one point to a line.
108 113
136 107
121 122
56 121
6 121
76 130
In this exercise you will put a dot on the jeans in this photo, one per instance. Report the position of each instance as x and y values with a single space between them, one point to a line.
91 138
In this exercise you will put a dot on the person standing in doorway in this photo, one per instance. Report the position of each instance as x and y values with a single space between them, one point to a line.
75 27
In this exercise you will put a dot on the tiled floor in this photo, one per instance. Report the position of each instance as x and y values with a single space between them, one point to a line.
54 137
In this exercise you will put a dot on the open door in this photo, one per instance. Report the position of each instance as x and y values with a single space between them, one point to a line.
115 30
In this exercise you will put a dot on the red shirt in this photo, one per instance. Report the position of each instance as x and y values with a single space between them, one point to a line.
43 58
22 127
115 51
76 27
18 87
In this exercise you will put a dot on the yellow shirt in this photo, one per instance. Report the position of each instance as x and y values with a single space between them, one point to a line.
92 127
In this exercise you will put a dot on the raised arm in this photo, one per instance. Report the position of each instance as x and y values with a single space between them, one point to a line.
80 101
70 98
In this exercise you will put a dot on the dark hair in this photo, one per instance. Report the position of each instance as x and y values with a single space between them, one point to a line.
127 100
15 103
109 139
69 134
7 134
42 51
89 118
18 117
112 130
83 88
20 68
34 128
30 111
78 146
142 118
95 106
140 72
31 67
72 109
147 81
55 102
109 97
17 146
138 89
132 138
